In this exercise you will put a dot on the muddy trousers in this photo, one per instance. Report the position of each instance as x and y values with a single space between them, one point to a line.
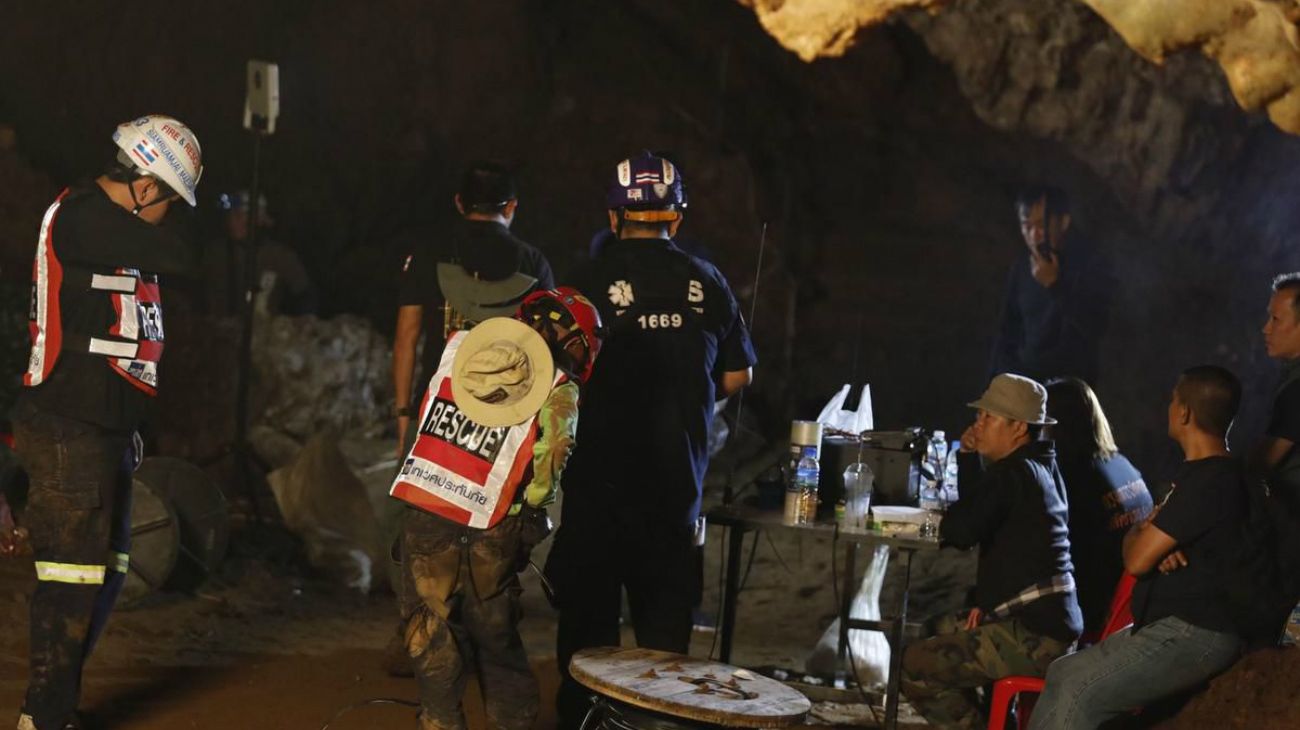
79 516
941 674
461 609
590 565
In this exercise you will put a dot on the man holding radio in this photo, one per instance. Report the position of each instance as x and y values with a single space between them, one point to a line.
1056 301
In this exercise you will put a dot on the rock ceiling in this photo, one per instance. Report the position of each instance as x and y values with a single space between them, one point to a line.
1255 42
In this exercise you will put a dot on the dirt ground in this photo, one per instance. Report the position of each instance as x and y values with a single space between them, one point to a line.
1261 692
265 644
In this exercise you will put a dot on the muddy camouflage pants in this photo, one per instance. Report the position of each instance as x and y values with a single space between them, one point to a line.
460 605
941 674
79 516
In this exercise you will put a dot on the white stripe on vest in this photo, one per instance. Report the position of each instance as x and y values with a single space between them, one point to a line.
48 276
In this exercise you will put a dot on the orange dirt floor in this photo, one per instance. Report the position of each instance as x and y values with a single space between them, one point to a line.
274 653
265 644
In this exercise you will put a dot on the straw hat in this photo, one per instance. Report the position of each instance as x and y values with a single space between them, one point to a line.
502 373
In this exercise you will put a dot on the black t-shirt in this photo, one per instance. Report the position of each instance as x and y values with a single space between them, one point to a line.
1285 424
1284 481
484 248
91 233
642 444
1285 420
1205 507
1107 496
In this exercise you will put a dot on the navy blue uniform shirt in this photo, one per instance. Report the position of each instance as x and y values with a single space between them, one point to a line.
674 325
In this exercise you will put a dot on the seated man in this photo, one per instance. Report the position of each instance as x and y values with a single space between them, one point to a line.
1026 612
1183 632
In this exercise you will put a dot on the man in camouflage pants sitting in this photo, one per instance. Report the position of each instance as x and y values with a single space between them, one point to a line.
1026 613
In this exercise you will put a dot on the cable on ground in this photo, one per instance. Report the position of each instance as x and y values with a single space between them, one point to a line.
366 703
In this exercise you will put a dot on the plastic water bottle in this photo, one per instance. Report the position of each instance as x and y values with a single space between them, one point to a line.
950 493
929 529
806 475
938 456
793 497
930 499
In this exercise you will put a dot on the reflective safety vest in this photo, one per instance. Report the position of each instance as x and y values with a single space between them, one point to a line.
458 469
133 345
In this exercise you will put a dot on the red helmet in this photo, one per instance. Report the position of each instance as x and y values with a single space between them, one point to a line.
574 321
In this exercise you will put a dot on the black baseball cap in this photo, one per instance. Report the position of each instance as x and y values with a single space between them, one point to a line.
486 186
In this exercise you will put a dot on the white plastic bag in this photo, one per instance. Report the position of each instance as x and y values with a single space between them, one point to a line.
869 649
834 416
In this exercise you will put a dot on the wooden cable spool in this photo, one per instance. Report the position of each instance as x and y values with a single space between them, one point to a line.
682 691
155 542
202 509
179 527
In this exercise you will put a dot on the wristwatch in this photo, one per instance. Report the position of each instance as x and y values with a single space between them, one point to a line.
402 411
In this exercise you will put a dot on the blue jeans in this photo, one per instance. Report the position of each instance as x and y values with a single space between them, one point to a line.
1129 670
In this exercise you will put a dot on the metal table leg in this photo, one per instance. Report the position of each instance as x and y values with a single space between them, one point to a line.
846 600
727 624
896 651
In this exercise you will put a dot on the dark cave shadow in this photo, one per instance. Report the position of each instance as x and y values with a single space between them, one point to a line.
125 705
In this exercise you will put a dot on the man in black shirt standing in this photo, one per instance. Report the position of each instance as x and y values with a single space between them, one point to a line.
1026 613
97 338
1277 459
1184 630
632 489
1056 301
478 270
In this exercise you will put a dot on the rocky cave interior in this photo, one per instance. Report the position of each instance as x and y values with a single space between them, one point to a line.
880 142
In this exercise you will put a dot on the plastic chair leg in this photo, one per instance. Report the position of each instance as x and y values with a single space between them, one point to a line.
1002 695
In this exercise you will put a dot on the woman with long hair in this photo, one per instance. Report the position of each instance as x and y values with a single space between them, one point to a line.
1107 494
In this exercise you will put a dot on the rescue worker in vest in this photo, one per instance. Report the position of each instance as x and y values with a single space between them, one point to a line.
97 337
484 466
478 269
632 491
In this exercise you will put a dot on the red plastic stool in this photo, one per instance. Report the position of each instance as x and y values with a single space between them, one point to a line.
1007 688
1004 690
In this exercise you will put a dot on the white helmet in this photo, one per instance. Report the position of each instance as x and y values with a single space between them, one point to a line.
164 148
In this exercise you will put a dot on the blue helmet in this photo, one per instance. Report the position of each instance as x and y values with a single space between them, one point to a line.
646 182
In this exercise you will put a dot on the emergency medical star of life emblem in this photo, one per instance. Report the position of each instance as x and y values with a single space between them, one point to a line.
620 294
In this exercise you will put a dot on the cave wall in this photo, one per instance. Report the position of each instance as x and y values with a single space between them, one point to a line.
885 175
1199 216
